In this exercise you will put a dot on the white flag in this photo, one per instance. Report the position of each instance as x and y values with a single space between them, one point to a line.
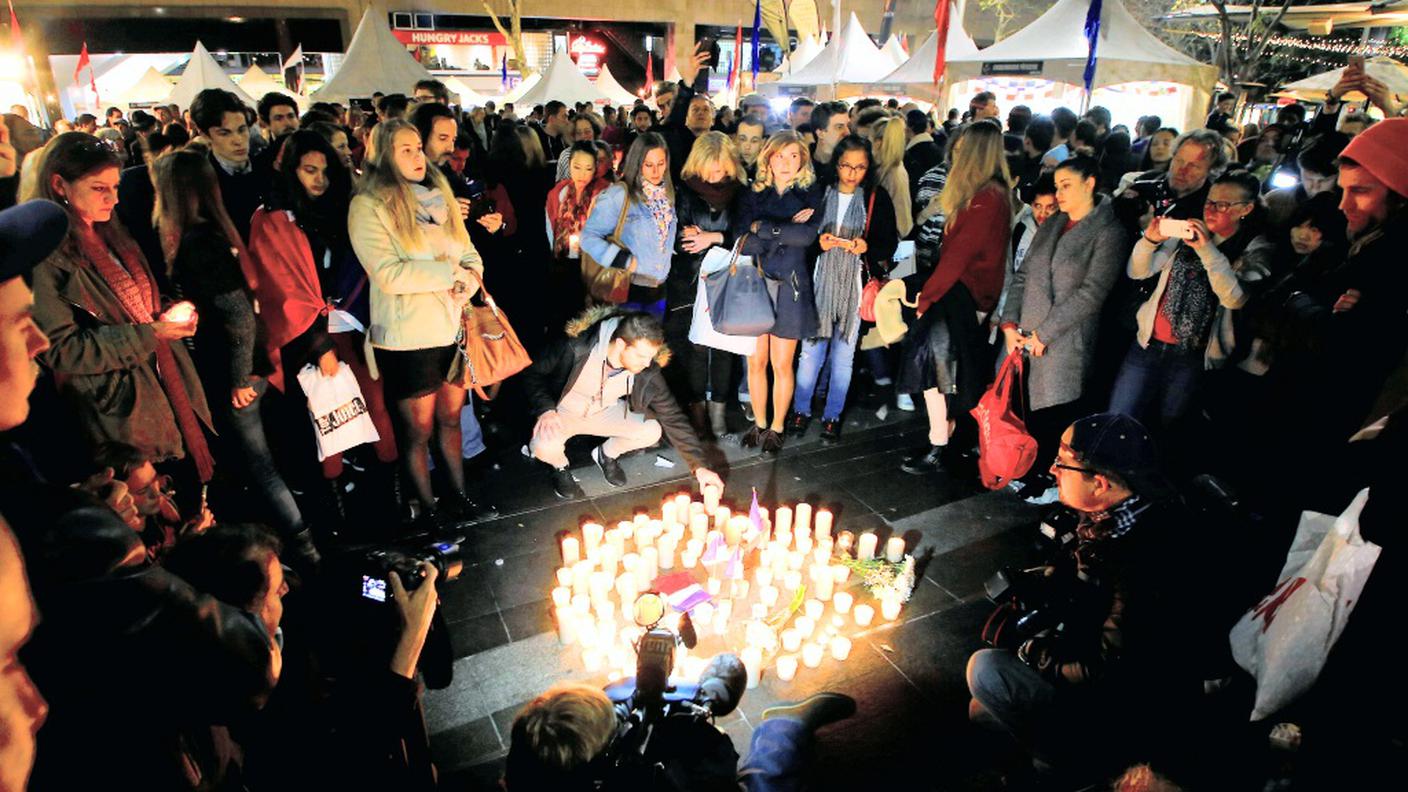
294 60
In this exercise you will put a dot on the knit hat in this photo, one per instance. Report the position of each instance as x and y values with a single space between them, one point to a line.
1382 149
1121 445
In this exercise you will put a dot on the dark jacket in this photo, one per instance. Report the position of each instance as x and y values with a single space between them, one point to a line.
242 194
677 136
691 209
136 197
782 247
553 372
922 153
229 343
883 235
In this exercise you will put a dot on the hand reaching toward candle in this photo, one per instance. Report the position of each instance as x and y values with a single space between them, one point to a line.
707 477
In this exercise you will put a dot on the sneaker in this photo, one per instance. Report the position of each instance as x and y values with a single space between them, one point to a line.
456 509
930 461
831 431
565 485
815 711
1049 495
905 402
797 424
610 468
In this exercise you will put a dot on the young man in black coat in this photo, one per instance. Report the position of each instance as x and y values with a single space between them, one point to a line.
605 379
220 118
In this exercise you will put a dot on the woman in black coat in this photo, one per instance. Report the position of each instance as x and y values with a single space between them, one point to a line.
781 219
705 209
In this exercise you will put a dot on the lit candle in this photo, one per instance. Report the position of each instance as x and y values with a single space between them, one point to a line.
565 619
574 243
786 667
627 529
814 609
841 573
180 313
681 507
890 608
721 515
865 550
802 518
591 659
666 549
791 640
571 551
714 586
733 529
760 611
695 507
767 595
752 665
842 601
823 582
667 511
617 541
821 555
863 614
640 518
609 558
720 624
600 585
764 576
703 613
804 544
626 588
894 549
564 576
561 597
698 527
591 536
811 655
782 523
840 647
823 524
805 626
648 568
582 604
689 559
711 498
738 589
581 577
792 580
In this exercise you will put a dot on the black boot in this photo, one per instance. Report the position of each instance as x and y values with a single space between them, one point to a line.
301 554
928 462
699 419
717 418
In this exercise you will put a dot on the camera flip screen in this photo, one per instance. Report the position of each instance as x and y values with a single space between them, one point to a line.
374 588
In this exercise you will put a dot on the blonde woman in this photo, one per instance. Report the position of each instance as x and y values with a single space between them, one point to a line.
781 218
942 356
413 244
705 207
890 172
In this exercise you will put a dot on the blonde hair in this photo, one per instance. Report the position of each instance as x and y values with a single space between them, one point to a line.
889 144
566 726
382 181
532 147
978 159
187 193
709 148
774 144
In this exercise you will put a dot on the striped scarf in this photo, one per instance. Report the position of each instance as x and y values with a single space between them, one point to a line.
834 279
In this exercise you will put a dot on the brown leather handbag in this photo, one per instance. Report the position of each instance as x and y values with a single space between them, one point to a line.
607 284
487 349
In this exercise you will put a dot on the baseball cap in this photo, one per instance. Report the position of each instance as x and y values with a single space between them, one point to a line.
29 232
1121 445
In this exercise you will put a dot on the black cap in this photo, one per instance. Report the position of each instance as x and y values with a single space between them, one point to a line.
29 232
1120 445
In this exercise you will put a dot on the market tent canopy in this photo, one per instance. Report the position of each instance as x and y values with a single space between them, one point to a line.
1054 47
564 82
203 72
150 89
607 84
375 61
1386 70
256 83
850 57
1320 19
807 49
468 96
894 50
919 69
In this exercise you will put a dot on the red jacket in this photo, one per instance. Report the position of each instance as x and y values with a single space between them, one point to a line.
974 251
290 296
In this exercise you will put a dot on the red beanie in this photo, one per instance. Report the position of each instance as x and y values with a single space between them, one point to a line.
1382 149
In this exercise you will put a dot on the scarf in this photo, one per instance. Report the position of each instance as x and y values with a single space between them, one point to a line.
834 279
718 195
572 210
431 207
1189 302
1115 522
119 262
662 211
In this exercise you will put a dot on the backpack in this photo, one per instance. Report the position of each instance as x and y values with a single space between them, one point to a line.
1005 450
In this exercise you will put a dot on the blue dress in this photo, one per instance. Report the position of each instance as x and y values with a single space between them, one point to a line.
781 247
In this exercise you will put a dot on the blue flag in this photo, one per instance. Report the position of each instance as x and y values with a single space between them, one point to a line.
503 71
757 25
1092 37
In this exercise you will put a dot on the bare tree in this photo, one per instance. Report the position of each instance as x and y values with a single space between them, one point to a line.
1002 13
515 32
1242 45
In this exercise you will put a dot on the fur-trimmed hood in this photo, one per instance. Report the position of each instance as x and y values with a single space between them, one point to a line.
595 315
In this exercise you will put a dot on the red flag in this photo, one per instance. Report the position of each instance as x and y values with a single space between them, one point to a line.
649 73
941 27
737 69
16 37
84 62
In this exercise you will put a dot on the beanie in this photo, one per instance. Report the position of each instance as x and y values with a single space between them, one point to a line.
1382 149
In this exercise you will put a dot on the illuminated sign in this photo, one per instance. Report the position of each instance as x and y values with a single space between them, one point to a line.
452 37
581 45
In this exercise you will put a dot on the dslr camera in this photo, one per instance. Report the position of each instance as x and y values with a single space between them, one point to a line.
406 563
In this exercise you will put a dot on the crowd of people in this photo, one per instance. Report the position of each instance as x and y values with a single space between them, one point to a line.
1235 290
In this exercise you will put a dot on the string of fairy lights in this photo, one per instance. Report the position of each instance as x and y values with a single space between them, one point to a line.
1328 52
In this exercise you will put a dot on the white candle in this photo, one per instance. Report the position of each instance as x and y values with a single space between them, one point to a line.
786 667
581 577
627 529
720 624
844 542
792 580
763 576
842 602
564 576
738 589
894 549
823 524
821 555
840 573
681 507
890 608
711 498
767 595
608 558
804 544
823 582
714 586
721 515
802 518
865 550
795 560
752 658
760 611
805 626
698 527
600 585
626 588
863 614
666 549
667 511
703 613
561 597
733 530
591 659
591 536
782 522
811 655
582 604
840 647
616 539
791 640
814 609
565 619
689 559
571 551
648 568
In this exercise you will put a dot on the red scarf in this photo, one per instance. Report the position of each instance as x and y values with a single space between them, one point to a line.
104 245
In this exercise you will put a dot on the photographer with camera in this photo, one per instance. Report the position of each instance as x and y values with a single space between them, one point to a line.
1178 192
1091 641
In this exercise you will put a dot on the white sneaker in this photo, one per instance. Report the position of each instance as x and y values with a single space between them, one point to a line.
905 402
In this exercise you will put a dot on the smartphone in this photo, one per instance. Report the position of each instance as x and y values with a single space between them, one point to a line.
374 588
1356 62
1175 229
710 45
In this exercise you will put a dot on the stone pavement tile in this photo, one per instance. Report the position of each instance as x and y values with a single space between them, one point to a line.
893 494
465 745
963 571
886 744
466 597
478 634
528 620
932 652
483 777
523 579
525 533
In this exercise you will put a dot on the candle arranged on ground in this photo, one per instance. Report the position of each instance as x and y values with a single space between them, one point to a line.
571 551
865 550
180 313
894 549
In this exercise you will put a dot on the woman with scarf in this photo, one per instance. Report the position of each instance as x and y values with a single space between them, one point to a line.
114 356
407 232
208 264
313 292
858 225
704 205
569 203
647 199
1186 325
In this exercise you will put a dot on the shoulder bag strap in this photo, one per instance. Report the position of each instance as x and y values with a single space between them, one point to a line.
869 213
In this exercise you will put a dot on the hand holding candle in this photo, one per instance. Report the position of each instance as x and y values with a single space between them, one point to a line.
179 321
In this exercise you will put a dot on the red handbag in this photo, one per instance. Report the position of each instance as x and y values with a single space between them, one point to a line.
872 287
1006 451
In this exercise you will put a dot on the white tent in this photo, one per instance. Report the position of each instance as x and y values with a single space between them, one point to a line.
607 84
1386 70
919 69
524 86
564 82
894 50
850 57
256 83
150 89
375 61
468 97
807 49
203 72
1054 48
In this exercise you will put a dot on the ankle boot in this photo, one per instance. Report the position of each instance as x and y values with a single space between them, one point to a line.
699 419
717 421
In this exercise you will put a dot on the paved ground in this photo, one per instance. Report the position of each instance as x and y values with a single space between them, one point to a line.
906 676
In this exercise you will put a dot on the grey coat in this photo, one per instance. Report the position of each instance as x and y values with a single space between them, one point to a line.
1058 294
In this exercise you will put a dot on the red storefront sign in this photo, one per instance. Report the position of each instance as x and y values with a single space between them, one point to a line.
581 45
451 37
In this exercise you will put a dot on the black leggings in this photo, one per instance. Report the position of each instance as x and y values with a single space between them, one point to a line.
696 372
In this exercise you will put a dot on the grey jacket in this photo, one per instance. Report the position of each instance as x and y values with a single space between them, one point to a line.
1058 294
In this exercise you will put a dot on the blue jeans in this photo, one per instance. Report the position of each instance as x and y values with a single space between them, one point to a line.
777 756
246 434
471 436
1008 694
1160 374
840 353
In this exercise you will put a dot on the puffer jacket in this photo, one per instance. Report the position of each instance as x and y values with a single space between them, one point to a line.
411 304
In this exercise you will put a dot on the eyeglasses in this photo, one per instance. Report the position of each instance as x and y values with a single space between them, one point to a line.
1225 206
1056 465
853 168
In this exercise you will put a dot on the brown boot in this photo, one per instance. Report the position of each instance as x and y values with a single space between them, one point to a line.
717 422
699 419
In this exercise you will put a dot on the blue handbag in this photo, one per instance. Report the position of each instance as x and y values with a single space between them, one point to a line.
742 300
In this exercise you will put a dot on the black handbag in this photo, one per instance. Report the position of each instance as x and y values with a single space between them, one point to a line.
742 300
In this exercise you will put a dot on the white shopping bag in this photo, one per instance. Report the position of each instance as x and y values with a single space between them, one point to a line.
339 413
701 327
1284 640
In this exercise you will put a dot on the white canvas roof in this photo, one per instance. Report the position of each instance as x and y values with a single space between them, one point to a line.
1386 70
468 96
524 86
1127 52
807 49
152 87
894 50
203 72
564 82
606 83
375 61
256 83
850 57
919 69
